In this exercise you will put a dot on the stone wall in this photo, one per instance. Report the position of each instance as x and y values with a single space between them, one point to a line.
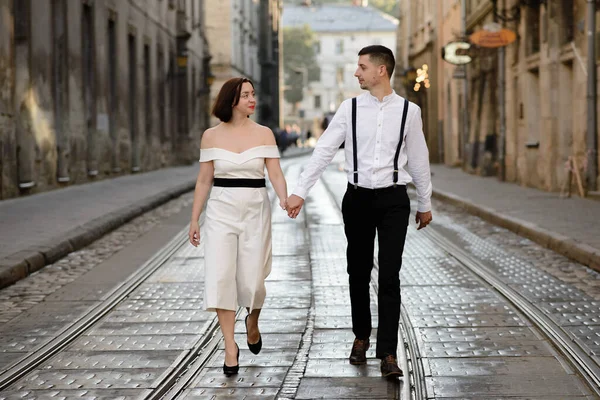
74 108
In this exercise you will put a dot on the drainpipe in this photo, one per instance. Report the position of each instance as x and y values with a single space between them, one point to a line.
592 143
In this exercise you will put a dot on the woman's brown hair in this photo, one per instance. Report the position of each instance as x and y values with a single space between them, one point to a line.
229 97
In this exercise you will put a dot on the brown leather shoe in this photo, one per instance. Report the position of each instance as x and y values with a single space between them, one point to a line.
389 367
358 355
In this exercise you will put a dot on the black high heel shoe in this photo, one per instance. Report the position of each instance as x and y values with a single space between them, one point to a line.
254 348
227 370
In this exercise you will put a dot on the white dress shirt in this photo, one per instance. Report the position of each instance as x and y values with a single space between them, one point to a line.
377 135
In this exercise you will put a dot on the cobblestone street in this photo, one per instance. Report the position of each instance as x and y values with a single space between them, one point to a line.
485 315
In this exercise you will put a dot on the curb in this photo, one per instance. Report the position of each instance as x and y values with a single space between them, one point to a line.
19 265
297 154
581 253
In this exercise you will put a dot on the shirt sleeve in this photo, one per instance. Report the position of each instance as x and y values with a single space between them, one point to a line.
418 160
327 146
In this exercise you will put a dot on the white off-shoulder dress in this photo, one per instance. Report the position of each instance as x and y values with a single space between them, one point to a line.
237 233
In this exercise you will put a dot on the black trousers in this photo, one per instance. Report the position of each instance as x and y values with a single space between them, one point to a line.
366 211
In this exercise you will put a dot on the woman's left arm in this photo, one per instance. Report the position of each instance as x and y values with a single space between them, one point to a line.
277 180
275 173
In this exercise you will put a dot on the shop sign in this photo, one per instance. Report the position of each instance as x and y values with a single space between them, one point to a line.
457 53
493 36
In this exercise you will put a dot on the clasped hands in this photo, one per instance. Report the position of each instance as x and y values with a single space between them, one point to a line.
292 205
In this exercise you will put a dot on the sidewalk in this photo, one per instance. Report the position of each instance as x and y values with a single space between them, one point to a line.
40 229
569 226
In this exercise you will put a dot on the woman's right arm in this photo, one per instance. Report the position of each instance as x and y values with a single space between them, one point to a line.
203 185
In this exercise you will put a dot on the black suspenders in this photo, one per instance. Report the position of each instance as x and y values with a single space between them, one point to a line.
355 154
354 142
400 142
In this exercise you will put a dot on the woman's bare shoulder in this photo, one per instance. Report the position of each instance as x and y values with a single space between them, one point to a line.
209 137
266 135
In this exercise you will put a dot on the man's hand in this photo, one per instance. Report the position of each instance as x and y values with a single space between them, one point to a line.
294 205
423 219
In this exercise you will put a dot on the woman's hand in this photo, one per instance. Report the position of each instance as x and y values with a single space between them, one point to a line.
283 204
194 234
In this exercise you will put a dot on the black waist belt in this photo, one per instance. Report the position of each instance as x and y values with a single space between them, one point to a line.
239 182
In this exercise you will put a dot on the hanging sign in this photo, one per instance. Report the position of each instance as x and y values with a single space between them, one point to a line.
492 37
457 53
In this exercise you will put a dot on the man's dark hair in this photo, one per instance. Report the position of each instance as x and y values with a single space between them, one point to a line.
380 55
228 97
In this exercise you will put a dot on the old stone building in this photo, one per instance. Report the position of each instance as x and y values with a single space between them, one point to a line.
547 94
416 57
244 37
90 89
531 106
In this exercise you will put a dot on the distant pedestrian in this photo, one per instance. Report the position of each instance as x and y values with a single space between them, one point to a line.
385 149
237 243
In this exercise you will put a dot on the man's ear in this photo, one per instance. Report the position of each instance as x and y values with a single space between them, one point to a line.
382 70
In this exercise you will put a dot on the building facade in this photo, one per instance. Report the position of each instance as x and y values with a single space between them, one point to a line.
244 36
417 64
547 94
341 30
92 89
530 111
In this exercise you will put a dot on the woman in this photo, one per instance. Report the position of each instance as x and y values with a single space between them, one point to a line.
237 248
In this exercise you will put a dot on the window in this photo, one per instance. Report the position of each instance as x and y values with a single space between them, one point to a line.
567 22
317 101
533 29
317 47
339 75
173 96
161 93
339 46
133 137
147 94
22 13
89 96
112 86
59 62
315 73
193 102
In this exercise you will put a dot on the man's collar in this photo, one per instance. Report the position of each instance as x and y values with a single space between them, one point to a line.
386 99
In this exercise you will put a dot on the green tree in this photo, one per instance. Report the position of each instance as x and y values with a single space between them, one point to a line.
298 58
391 7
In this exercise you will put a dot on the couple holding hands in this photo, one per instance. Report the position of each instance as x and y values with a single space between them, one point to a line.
385 149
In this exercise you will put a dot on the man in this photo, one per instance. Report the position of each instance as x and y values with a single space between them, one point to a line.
379 163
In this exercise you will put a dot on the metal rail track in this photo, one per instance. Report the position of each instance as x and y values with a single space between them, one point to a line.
585 365
74 330
182 372
191 365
